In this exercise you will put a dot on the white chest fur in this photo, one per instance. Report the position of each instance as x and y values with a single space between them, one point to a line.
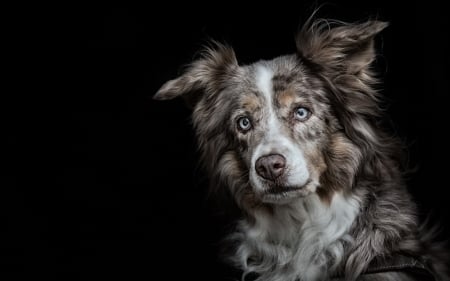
300 241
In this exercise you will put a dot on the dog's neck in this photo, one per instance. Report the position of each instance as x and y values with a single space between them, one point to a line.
307 235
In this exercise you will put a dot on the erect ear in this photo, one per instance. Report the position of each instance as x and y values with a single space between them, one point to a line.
339 47
203 75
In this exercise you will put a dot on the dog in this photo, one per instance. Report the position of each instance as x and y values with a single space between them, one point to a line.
295 143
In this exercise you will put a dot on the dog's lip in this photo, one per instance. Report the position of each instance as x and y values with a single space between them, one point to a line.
284 197
284 189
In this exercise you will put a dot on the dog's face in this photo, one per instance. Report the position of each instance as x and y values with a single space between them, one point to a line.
277 130
279 119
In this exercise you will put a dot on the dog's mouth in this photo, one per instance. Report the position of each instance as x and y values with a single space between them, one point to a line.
282 189
281 193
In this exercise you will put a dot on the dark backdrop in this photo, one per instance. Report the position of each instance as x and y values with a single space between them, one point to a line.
102 181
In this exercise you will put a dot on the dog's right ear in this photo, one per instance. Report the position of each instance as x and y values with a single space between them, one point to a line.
203 76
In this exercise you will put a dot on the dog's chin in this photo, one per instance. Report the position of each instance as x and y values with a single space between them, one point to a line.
285 194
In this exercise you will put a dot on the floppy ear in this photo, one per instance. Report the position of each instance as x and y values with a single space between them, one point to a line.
343 49
203 75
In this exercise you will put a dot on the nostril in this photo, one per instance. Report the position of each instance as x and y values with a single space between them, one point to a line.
270 166
261 169
278 165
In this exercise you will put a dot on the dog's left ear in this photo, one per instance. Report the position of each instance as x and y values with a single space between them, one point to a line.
344 48
203 76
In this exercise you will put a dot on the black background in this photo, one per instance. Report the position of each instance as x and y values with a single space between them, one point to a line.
102 180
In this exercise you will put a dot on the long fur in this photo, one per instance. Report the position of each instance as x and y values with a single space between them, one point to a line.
355 208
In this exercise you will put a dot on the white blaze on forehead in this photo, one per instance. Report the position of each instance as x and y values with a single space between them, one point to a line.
264 81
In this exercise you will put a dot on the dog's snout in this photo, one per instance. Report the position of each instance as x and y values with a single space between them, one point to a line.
270 166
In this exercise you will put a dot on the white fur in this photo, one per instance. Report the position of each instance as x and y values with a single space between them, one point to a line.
305 238
264 82
274 141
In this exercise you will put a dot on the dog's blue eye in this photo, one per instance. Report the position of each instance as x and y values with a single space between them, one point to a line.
244 124
302 113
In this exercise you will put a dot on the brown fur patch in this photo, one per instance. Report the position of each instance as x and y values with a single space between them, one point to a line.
286 98
325 195
251 103
317 167
343 159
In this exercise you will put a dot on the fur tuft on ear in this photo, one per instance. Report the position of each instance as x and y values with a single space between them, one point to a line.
202 75
342 48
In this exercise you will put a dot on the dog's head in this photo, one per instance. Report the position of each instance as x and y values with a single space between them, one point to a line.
277 130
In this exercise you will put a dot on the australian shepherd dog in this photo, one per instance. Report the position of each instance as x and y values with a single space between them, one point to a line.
297 144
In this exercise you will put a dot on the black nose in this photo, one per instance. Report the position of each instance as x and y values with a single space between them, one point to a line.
270 166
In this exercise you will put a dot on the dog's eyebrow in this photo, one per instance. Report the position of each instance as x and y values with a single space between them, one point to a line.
281 81
251 102
285 97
